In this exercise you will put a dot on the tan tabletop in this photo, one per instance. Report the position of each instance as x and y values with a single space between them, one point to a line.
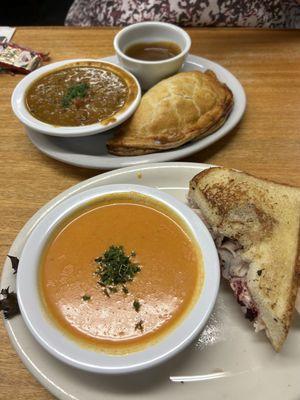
266 142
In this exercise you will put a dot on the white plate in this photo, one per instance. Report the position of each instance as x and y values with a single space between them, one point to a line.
90 152
228 361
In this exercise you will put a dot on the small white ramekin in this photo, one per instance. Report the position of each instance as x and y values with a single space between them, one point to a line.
151 72
69 351
18 102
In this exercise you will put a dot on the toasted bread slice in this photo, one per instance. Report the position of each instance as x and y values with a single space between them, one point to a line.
177 110
263 217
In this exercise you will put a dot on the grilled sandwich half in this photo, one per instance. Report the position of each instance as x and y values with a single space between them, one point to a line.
255 224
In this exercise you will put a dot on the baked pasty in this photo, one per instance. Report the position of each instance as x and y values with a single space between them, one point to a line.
177 110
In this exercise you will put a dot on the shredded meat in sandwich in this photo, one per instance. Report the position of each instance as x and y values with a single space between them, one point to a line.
234 269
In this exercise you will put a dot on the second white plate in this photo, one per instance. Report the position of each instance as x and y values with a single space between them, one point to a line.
91 152
227 361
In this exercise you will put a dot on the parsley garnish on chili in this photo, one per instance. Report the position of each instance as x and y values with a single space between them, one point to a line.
78 90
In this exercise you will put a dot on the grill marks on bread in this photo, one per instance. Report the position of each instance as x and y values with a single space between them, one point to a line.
232 202
264 217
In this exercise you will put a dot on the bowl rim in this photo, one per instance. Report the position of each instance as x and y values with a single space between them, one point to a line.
66 349
23 114
138 25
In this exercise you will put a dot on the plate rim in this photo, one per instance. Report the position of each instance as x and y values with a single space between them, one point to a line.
28 362
169 155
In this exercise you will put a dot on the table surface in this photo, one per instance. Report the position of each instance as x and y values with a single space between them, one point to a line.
265 143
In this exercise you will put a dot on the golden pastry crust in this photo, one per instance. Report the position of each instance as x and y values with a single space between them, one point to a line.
177 110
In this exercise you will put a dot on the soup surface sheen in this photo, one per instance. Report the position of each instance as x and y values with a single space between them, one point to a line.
166 287
76 96
153 51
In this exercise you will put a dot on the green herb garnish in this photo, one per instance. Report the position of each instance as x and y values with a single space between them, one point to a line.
109 289
139 326
86 297
78 90
136 305
125 289
115 267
